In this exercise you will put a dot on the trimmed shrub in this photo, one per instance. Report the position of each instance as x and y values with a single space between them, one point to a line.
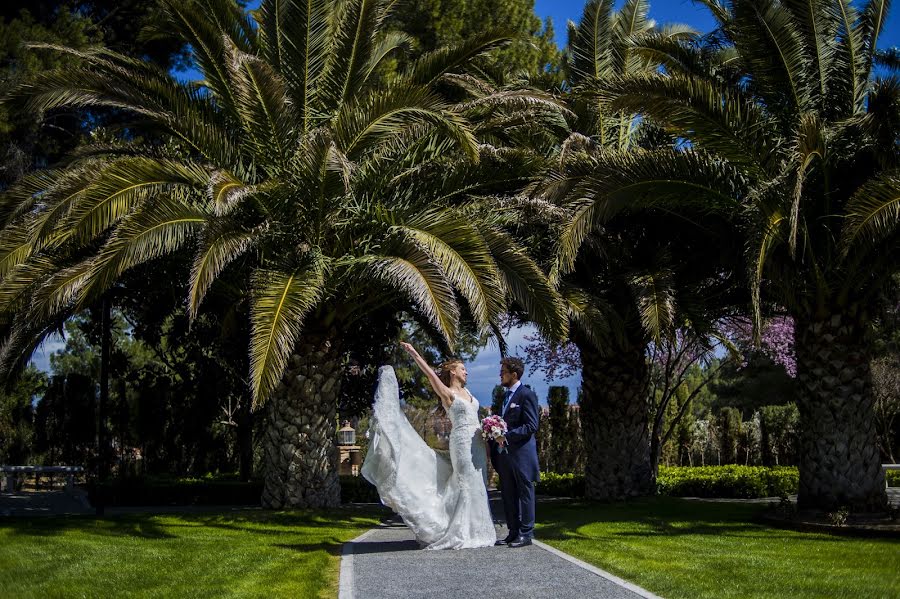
743 482
561 485
893 478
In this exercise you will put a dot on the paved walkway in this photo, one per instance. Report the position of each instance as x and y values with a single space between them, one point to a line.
386 563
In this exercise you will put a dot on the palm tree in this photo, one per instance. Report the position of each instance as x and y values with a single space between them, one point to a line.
783 114
292 163
632 276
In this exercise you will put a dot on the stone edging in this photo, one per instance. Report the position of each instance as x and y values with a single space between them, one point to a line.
594 570
346 589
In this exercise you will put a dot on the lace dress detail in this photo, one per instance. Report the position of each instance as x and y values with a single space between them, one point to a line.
443 501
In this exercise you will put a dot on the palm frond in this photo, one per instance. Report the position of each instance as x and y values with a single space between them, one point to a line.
528 285
60 291
889 59
219 246
280 303
116 81
656 302
641 180
818 27
872 21
433 65
458 249
850 57
262 105
873 212
810 147
355 27
772 49
593 318
205 25
413 274
120 187
294 40
630 21
760 251
589 52
156 229
381 115
719 119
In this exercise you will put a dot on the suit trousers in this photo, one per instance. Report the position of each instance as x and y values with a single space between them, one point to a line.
518 498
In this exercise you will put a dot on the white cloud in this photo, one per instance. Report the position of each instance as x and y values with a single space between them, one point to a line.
41 356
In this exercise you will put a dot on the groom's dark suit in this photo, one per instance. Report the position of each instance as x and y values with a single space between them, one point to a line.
518 466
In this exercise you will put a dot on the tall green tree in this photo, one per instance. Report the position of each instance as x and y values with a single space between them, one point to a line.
26 140
17 416
436 23
294 165
627 279
784 116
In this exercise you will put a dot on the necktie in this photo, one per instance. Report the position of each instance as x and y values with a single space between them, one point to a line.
506 401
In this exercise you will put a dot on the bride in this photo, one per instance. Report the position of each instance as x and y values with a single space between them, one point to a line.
443 502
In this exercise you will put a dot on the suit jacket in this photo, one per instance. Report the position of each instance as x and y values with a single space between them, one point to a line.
522 421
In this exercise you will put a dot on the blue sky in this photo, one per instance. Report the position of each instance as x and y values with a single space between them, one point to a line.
483 371
674 11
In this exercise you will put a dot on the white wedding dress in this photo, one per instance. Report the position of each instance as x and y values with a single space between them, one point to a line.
444 502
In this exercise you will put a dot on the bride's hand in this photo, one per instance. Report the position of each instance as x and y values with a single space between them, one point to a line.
409 349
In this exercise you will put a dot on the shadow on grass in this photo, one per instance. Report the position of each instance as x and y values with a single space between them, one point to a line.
131 526
662 517
162 525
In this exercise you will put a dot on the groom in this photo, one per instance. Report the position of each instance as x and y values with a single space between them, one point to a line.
518 465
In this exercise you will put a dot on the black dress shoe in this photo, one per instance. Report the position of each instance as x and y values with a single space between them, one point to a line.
520 542
505 541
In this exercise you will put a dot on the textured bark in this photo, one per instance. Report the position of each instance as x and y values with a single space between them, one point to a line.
245 439
614 422
839 459
301 465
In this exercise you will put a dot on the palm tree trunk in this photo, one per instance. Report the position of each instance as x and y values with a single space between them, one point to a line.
839 460
614 421
245 439
300 454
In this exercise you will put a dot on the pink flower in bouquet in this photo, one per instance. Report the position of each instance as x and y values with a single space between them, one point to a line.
494 427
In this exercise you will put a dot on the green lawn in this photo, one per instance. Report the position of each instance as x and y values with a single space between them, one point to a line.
679 548
243 554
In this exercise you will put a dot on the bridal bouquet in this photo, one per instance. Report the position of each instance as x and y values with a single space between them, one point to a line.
494 427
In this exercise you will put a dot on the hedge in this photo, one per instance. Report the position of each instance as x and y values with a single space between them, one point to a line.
727 481
679 481
209 490
702 481
561 485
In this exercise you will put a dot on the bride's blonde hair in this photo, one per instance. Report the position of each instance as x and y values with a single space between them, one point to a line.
445 368
444 374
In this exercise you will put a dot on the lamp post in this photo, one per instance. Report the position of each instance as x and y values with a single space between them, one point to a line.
349 451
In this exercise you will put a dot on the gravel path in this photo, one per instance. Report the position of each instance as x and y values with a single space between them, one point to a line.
386 563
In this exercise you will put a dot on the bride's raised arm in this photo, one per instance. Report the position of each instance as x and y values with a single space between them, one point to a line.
439 387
